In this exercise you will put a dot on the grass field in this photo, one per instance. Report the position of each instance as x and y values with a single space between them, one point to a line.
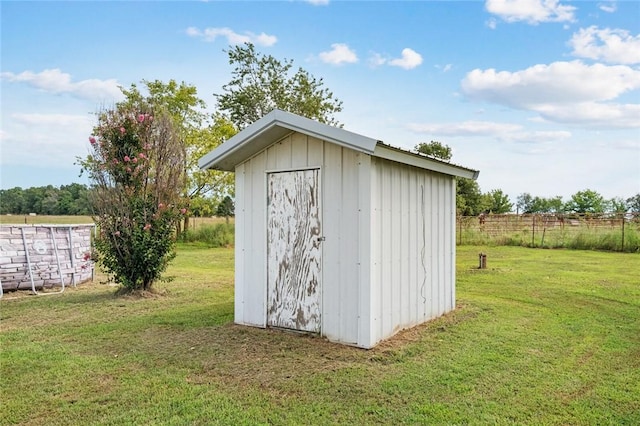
196 222
540 337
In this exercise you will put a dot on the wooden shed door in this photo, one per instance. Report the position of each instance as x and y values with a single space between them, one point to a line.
294 254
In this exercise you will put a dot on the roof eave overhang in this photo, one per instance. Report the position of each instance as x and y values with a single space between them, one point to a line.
401 156
273 127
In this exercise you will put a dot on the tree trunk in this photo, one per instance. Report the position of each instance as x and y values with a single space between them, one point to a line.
185 226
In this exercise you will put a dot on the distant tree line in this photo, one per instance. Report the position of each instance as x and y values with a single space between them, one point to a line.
470 201
582 202
73 200
46 200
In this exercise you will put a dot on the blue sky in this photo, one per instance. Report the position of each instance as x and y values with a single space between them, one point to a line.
542 96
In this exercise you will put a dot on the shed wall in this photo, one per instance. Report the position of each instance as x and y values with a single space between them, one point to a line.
342 172
412 246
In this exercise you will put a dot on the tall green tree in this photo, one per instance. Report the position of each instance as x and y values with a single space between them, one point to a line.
199 131
469 199
497 202
616 205
261 83
529 204
435 149
226 208
586 201
12 201
633 203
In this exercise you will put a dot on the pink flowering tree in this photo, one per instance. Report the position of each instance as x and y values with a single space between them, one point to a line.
136 167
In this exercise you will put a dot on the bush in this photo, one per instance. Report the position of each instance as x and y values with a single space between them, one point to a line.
137 171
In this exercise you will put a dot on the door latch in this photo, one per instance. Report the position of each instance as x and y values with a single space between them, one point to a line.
321 239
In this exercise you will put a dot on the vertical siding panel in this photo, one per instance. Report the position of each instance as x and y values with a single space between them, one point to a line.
349 247
444 254
405 248
420 265
240 262
299 150
447 241
314 151
452 240
414 253
396 246
437 282
444 236
364 278
331 247
257 298
376 255
431 236
283 153
438 244
387 255
249 287
272 157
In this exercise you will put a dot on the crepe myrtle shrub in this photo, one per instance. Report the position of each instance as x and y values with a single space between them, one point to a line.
136 166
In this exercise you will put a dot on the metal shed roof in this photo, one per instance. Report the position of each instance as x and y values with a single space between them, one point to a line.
277 124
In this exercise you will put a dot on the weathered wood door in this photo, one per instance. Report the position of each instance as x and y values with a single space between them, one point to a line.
294 254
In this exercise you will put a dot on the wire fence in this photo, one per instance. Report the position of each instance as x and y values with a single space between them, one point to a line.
612 232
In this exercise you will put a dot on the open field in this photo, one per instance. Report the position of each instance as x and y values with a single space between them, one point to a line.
196 222
584 232
540 337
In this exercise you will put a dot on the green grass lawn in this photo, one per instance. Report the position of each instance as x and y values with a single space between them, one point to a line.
540 337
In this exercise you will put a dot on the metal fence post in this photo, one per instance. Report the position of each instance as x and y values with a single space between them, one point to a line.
622 244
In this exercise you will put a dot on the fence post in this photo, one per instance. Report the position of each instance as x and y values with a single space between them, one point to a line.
622 245
533 231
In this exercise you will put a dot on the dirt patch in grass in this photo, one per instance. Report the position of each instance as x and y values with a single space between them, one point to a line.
242 356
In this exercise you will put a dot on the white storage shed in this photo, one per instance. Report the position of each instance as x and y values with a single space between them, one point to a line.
337 233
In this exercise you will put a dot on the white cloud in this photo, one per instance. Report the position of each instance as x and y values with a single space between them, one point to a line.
211 34
56 82
537 137
444 68
376 60
505 132
609 45
531 11
37 139
465 128
318 2
339 54
56 120
608 7
594 114
491 23
569 92
558 82
409 60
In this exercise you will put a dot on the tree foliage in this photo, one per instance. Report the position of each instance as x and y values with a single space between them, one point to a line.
633 203
435 149
137 170
261 83
226 208
526 204
46 200
497 202
586 201
199 131
469 199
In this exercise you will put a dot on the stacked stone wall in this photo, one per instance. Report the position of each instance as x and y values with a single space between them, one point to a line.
46 253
